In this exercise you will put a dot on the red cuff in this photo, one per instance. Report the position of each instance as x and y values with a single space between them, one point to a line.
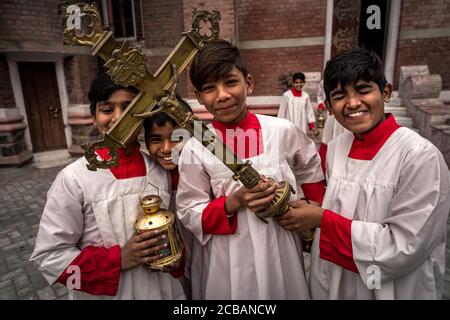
323 157
215 220
311 125
99 271
336 240
179 272
314 191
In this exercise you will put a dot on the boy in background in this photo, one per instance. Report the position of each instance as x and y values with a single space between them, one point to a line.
296 106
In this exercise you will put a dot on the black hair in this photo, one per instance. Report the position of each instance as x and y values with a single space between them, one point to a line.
215 60
298 75
102 87
161 118
351 66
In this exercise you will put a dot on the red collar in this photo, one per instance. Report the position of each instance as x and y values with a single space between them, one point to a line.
372 142
130 165
234 133
249 122
296 93
175 178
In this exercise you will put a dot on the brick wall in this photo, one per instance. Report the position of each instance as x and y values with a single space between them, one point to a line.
268 19
6 93
434 14
418 14
163 23
79 72
30 20
249 20
268 65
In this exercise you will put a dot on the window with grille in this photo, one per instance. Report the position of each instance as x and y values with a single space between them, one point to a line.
119 17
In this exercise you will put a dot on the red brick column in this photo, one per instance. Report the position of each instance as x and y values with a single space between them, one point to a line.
79 72
13 150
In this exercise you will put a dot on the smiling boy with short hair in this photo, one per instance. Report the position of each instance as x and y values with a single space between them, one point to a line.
242 257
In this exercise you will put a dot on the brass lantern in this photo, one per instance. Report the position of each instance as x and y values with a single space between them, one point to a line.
156 218
321 119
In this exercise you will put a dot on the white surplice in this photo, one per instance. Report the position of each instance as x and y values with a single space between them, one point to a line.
86 208
399 203
331 129
258 261
298 110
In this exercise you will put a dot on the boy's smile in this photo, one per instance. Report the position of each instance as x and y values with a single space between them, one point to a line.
360 107
160 144
225 97
298 84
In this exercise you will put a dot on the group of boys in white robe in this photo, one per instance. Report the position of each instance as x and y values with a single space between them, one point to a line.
242 257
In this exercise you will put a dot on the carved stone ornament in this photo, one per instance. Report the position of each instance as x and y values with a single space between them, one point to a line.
343 39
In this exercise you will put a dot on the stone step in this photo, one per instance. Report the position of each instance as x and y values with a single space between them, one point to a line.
50 159
401 115
405 121
443 127
396 111
395 102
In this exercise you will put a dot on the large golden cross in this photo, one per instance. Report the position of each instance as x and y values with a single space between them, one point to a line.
126 66
83 26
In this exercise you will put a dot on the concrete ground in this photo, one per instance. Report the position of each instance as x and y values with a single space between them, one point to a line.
22 198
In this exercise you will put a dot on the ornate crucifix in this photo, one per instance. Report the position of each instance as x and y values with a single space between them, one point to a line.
126 66
83 26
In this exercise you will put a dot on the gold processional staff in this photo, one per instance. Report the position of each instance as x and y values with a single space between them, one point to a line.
126 66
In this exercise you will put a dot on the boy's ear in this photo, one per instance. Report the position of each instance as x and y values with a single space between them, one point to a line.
328 105
250 84
94 120
387 91
199 99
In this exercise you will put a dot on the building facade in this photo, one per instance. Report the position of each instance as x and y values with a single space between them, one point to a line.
44 84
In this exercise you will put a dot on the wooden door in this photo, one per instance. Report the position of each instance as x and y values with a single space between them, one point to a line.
40 92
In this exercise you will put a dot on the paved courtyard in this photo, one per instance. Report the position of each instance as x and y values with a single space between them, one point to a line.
23 193
22 198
